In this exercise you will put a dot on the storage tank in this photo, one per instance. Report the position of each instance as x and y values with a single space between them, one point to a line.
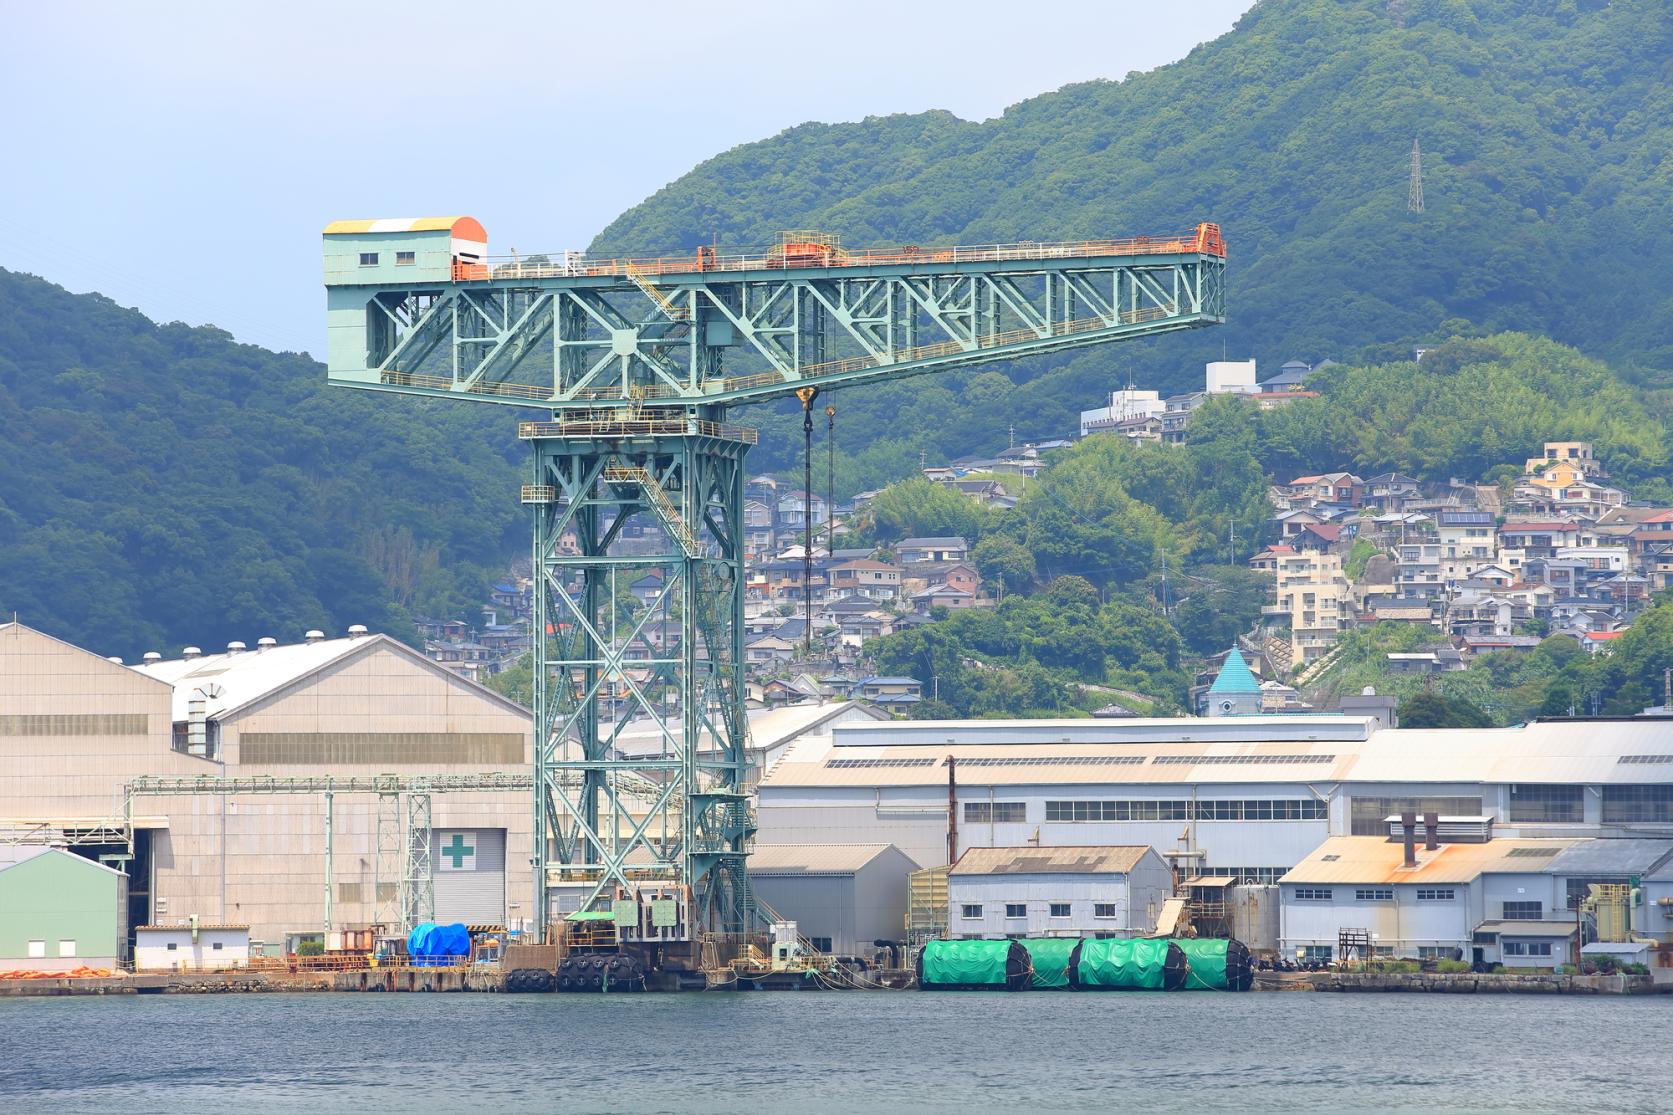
973 966
1127 964
1216 964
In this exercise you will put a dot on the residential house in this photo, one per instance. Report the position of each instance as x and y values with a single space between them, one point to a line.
793 509
1330 487
913 550
875 580
897 694
768 650
1391 491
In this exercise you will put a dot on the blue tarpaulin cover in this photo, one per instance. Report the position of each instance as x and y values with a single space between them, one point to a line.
433 946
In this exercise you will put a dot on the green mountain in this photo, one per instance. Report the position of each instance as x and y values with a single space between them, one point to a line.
1547 136
166 485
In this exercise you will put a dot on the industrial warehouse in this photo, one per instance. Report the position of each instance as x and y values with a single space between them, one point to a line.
286 793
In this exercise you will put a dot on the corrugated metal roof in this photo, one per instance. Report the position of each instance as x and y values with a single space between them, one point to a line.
812 859
1556 929
1613 857
1365 860
1238 749
1116 859
816 761
230 681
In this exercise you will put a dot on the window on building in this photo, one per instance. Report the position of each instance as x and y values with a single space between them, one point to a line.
1312 894
1579 888
970 911
405 259
1638 804
1317 952
995 812
1016 909
1554 804
66 948
1434 952
820 944
1435 894
1104 910
1251 876
37 949
1526 948
216 947
1524 911
1059 909
1285 809
1369 816
173 945
368 259
1374 894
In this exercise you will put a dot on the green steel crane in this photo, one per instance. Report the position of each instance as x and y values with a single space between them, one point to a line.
638 477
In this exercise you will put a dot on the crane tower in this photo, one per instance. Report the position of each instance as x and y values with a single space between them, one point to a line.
638 478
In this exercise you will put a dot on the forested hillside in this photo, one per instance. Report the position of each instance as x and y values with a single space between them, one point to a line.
166 485
1547 130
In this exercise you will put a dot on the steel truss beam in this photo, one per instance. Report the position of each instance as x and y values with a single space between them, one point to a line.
584 341
663 511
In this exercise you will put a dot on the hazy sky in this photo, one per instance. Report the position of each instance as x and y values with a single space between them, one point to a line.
183 157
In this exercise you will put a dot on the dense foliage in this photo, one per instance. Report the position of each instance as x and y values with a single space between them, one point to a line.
1470 408
1037 656
166 485
1545 128
1556 678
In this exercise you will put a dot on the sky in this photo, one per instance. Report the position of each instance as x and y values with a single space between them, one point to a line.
182 157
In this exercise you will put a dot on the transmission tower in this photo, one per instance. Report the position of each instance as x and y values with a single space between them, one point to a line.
634 364
1414 192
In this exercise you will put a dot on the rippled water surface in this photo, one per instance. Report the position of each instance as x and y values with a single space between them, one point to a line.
841 1052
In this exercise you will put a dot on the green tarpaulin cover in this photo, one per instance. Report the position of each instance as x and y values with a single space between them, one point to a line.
591 915
1138 964
1207 960
1049 957
965 962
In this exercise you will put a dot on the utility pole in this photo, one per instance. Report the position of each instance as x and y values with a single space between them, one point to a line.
1414 192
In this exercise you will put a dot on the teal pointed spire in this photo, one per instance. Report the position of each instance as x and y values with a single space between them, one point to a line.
1235 675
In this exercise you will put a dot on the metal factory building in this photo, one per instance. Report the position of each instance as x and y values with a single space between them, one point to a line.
1246 797
365 711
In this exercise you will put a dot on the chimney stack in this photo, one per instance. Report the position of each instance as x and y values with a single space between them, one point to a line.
1432 827
1408 829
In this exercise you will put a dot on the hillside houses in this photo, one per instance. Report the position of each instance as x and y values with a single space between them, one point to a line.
1566 553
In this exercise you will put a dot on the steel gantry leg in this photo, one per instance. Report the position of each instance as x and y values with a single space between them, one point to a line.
638 559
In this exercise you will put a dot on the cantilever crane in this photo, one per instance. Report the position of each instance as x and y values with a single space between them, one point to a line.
633 363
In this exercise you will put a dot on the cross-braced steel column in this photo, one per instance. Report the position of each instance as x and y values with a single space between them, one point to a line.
638 611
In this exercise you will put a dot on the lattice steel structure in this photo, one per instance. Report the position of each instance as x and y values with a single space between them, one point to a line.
637 474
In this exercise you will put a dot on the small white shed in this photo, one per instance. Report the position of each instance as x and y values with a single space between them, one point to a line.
184 948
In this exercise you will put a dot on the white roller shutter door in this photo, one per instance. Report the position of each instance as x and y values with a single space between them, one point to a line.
468 867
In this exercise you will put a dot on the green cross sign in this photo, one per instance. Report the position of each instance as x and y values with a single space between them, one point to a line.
458 851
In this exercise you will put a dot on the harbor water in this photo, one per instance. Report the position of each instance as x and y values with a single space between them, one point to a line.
839 1052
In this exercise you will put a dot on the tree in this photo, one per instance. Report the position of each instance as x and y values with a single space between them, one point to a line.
1432 710
1004 561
